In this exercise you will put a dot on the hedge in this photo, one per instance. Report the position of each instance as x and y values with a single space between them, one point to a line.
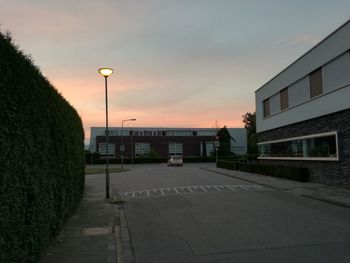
41 161
288 172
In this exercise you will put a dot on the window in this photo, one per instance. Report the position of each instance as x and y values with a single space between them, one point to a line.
179 133
315 147
102 149
299 92
275 104
336 74
316 86
266 105
284 99
207 149
206 132
142 149
175 148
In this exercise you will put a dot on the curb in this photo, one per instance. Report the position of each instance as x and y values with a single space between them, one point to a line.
326 200
124 250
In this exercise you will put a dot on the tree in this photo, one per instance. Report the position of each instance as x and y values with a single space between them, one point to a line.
225 142
249 120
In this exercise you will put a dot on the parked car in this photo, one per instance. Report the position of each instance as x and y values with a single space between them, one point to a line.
175 161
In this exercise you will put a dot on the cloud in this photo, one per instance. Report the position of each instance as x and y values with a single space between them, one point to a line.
299 39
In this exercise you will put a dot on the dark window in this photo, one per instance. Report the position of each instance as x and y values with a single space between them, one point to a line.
284 99
315 147
266 107
316 86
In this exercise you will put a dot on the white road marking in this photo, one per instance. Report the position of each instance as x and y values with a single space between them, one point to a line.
204 189
190 189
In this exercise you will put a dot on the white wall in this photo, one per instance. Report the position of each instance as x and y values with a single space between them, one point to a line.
323 105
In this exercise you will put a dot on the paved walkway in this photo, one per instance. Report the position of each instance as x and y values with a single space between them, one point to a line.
90 234
98 232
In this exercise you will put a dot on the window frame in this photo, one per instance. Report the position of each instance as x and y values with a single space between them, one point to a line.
335 133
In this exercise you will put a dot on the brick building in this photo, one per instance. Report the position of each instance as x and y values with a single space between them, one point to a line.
163 142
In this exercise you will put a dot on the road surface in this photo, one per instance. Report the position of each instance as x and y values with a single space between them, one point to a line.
187 214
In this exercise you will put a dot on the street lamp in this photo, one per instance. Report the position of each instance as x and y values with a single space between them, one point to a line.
122 147
106 72
216 144
132 146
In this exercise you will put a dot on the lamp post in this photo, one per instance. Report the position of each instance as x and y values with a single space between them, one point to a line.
106 72
132 146
216 144
122 147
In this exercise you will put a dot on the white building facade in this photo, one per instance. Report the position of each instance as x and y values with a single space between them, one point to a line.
303 113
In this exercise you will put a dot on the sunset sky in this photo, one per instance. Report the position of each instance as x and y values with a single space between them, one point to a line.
178 63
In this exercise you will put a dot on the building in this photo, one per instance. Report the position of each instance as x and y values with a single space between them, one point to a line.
163 142
303 113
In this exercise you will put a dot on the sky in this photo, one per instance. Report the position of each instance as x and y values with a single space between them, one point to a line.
177 63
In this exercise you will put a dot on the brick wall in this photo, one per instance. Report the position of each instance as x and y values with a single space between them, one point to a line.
159 144
327 172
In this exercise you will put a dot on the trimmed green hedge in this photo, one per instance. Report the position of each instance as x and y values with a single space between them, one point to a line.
41 157
288 172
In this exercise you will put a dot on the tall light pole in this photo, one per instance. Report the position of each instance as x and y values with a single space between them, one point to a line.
106 72
122 147
132 146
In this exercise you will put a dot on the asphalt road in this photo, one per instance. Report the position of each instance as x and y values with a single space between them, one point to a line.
187 214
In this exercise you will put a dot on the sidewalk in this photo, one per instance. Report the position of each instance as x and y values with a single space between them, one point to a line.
329 194
89 235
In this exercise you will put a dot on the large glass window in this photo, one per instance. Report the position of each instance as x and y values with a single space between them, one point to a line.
142 149
320 146
206 149
175 148
102 149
